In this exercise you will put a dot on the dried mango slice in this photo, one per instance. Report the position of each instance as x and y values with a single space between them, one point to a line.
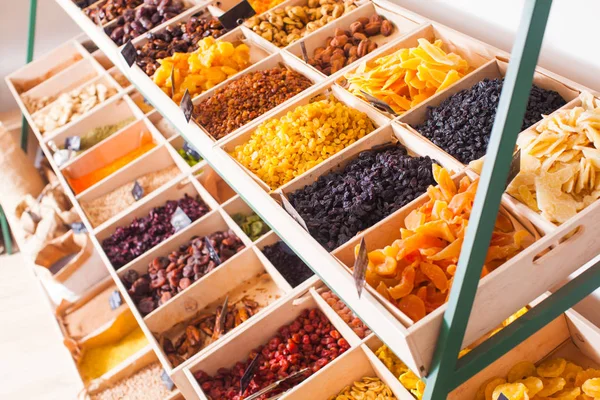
552 368
591 387
512 391
551 386
521 370
534 385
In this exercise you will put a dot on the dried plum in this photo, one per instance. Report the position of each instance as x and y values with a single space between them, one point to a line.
289 265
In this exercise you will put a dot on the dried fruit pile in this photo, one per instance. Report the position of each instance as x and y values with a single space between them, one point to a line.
135 22
289 265
555 378
180 38
286 25
366 388
348 46
308 342
172 274
361 330
462 124
252 225
247 98
110 10
281 149
145 384
407 77
406 377
206 329
202 69
415 272
260 6
130 242
560 162
375 184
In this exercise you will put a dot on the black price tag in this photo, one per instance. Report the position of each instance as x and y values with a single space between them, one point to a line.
78 227
129 53
502 397
360 267
248 374
34 217
173 81
180 220
304 52
187 106
515 167
378 104
167 380
292 211
115 300
138 191
237 15
211 251
190 151
73 143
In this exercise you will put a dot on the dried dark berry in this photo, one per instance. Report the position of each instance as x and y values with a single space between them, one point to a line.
462 124
375 184
289 265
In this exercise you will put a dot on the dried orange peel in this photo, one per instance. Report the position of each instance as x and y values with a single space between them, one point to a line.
407 77
415 271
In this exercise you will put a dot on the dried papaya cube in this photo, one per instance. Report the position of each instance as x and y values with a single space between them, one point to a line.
512 391
521 370
591 387
552 368
551 386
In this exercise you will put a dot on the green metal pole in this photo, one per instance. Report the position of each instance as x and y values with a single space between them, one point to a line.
30 47
5 232
509 116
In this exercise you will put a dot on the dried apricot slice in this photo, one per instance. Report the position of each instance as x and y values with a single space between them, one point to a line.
413 307
567 394
591 387
551 386
521 370
534 385
405 286
436 275
512 391
491 386
552 368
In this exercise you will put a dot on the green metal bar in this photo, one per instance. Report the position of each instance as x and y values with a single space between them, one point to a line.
528 324
509 116
5 232
30 47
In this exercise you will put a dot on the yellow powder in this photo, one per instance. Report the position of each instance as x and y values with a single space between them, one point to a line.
99 360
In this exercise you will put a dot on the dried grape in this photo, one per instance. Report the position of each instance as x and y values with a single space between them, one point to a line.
289 265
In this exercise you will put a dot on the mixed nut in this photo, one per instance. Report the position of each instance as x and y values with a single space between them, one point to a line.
135 22
284 26
172 274
179 38
345 47
247 98
206 329
110 10
72 105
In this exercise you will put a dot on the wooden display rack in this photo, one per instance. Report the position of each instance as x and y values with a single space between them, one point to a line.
561 251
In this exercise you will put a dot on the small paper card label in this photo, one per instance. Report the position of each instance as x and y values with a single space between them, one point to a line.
115 300
211 251
138 191
292 211
34 217
248 375
187 106
304 52
515 167
379 104
190 150
78 227
73 143
167 380
360 267
502 397
180 220
237 15
129 53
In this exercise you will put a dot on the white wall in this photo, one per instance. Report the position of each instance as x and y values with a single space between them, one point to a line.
570 47
53 27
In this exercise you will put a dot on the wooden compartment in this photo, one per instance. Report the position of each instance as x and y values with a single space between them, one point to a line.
176 143
570 336
258 332
454 42
214 184
308 96
154 162
237 205
143 104
273 61
110 150
44 68
172 191
402 27
241 277
106 114
158 121
102 59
